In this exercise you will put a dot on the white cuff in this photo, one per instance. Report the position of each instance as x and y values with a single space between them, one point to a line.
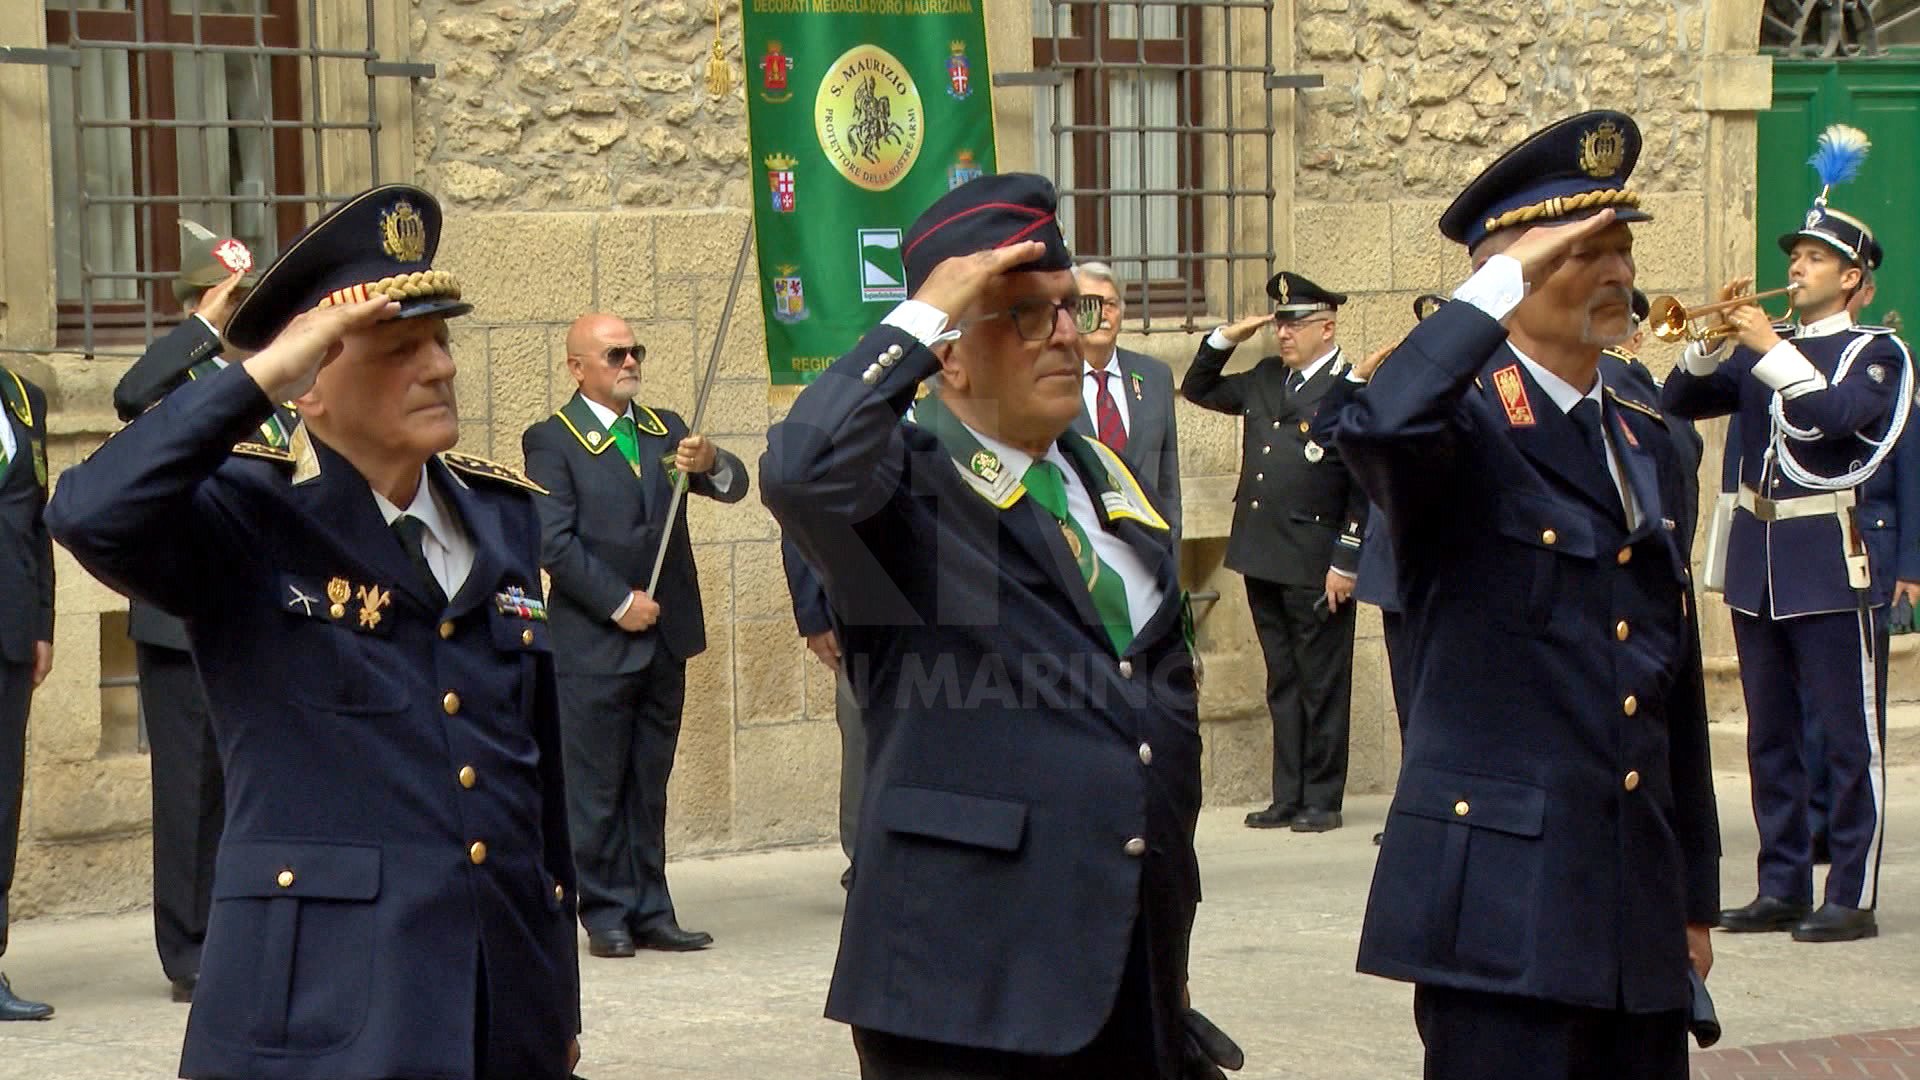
722 476
1348 574
1496 288
1219 342
921 319
1697 359
1787 370
621 611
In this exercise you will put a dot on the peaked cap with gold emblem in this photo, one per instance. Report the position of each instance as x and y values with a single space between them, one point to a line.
1296 297
381 242
1567 170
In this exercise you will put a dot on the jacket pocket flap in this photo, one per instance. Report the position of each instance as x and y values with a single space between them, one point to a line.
1546 523
300 869
978 820
1508 806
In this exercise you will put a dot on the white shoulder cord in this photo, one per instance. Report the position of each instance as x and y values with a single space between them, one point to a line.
1785 433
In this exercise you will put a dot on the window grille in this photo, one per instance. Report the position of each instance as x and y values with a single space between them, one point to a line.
210 110
1838 28
1149 126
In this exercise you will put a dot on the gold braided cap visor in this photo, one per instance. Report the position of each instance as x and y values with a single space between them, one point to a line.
419 285
1561 206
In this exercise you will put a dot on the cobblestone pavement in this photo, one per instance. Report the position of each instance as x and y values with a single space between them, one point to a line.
1273 964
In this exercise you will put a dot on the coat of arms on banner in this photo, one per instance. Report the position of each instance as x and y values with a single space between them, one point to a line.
963 169
775 66
780 182
789 303
959 73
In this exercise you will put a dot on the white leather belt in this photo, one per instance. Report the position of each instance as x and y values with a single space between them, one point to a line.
1801 506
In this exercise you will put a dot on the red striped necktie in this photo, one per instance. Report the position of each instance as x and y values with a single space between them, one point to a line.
1107 412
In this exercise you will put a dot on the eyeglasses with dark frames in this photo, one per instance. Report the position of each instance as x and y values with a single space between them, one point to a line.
1034 317
617 354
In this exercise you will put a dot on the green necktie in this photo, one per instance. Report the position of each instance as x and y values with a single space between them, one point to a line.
1049 488
628 438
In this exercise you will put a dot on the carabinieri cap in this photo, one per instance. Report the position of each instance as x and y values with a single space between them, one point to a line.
1568 170
381 242
1837 159
1295 297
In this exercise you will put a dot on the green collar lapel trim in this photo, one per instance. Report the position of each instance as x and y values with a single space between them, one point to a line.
16 394
586 426
1112 483
980 467
580 419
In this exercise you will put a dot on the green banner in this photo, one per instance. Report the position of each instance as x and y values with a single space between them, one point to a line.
860 113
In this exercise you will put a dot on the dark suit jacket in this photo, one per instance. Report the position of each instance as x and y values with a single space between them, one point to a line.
1553 831
1297 511
811 614
1013 756
1153 441
180 355
600 526
352 895
26 554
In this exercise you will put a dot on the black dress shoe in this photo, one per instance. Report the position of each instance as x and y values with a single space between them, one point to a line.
1836 922
19 1008
1379 838
1316 821
668 937
183 989
1273 817
612 944
1764 914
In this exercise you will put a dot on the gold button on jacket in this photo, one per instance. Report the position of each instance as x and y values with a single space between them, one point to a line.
451 703
468 777
285 880
477 852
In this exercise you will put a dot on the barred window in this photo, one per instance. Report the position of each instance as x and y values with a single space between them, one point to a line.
1156 120
207 110
1117 135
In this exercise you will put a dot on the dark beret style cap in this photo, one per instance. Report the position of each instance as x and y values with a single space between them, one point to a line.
982 214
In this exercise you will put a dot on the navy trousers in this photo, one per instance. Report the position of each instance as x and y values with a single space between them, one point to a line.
1470 1035
1820 671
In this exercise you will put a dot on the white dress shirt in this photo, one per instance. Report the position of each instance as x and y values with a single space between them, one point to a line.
446 545
1090 378
7 443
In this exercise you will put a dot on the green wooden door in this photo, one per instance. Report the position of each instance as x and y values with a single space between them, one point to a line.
1882 98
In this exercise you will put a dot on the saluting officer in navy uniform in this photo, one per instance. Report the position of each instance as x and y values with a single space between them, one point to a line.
215 274
394 890
26 626
609 464
1025 878
1298 519
1820 406
1550 865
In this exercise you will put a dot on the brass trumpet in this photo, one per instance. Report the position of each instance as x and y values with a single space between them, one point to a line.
1673 323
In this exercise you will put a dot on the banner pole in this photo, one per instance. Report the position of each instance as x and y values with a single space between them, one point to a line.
700 404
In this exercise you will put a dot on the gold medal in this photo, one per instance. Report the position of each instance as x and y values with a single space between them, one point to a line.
1073 540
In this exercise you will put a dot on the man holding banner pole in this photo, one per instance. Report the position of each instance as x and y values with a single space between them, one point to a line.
1014 628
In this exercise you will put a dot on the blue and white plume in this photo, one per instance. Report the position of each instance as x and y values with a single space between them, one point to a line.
1841 152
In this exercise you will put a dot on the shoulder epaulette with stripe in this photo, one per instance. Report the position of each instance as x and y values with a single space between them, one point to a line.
490 470
281 455
1636 406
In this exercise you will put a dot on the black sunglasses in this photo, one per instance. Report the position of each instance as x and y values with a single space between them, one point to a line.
617 355
1034 317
